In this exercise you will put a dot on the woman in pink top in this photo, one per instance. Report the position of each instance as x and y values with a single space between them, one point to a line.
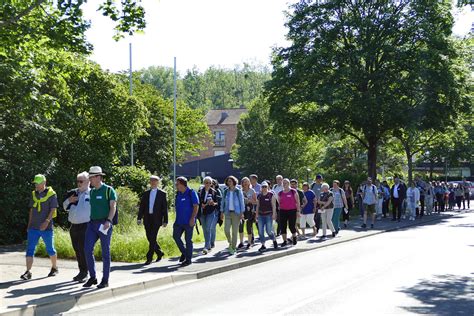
289 202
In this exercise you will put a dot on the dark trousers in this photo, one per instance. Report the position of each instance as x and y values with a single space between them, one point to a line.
439 202
151 230
317 220
466 199
178 230
92 235
385 207
397 208
78 238
458 201
422 205
278 220
288 220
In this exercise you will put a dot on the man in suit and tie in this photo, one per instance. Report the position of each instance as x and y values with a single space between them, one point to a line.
398 194
154 212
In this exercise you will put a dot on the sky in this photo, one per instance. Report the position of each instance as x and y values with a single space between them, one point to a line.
202 33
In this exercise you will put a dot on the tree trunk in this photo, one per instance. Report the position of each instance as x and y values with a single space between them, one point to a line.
431 169
410 166
372 159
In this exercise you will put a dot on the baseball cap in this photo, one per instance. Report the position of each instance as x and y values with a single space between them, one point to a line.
264 184
39 178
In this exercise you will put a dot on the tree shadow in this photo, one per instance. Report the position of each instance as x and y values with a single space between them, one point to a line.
443 295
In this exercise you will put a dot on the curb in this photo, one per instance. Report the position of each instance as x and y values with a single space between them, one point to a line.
80 301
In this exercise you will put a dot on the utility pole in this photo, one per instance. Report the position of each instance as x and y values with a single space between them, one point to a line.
131 92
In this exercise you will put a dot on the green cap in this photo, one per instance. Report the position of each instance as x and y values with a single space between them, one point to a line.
39 178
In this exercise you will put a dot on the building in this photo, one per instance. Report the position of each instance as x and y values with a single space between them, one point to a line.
215 160
223 126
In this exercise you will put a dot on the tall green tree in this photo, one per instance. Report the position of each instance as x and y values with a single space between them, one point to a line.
262 148
350 66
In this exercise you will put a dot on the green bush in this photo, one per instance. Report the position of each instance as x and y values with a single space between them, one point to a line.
136 178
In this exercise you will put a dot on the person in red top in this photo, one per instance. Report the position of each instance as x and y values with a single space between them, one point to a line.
289 202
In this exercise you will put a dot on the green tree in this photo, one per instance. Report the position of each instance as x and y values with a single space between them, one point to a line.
263 148
351 67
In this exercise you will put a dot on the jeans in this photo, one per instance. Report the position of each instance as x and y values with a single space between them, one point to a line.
178 230
33 238
209 223
92 235
78 239
265 223
232 220
336 216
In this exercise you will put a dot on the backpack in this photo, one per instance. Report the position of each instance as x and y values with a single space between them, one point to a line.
107 196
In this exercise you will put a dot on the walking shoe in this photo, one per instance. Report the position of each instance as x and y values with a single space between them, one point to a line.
262 249
275 244
80 277
147 262
345 225
333 234
160 255
53 272
231 251
284 244
364 225
323 237
26 276
182 258
371 226
248 246
186 263
90 282
204 251
295 241
240 246
213 245
103 284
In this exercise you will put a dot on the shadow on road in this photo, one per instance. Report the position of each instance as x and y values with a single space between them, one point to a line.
443 295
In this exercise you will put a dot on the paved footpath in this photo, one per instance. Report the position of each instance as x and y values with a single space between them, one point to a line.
45 296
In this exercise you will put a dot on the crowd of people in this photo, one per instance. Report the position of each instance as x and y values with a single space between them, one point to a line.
318 206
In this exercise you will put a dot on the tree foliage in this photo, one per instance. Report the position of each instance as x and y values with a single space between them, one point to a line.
367 68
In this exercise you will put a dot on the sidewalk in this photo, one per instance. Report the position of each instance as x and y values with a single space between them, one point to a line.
42 295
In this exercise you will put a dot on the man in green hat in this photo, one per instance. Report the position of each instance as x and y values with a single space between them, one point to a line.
43 205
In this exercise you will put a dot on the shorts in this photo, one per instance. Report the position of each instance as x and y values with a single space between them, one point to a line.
307 219
370 208
33 239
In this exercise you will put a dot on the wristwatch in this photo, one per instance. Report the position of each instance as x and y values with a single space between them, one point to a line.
108 220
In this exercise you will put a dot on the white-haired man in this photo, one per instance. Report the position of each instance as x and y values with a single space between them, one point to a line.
77 204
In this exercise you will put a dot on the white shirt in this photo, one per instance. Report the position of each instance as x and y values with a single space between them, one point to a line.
277 189
231 201
395 191
370 194
151 202
80 213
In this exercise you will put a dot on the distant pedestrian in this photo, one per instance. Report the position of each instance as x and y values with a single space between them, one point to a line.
103 210
369 199
254 182
386 199
153 211
398 194
289 202
43 206
219 193
316 188
250 201
266 214
232 208
459 195
467 194
429 198
78 205
277 188
340 203
308 210
439 192
326 209
187 207
350 202
380 197
451 197
208 201
413 200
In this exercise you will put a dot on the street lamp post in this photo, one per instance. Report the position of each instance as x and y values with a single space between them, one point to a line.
307 174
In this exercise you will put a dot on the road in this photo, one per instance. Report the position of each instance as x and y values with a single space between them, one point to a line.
420 270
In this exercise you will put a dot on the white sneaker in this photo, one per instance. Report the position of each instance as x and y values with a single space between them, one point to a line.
204 251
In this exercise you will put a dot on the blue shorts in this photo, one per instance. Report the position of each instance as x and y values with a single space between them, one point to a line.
33 238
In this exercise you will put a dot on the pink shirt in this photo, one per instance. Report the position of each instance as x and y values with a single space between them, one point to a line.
287 200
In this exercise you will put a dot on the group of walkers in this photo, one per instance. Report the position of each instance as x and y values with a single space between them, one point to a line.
92 212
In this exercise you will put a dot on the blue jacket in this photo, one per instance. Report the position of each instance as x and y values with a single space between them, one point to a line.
238 197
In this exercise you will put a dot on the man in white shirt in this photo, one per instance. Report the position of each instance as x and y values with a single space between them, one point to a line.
154 212
277 188
77 204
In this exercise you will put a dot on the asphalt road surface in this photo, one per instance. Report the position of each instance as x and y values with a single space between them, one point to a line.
420 270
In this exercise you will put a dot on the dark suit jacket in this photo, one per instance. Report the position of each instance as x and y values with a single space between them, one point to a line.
160 208
402 191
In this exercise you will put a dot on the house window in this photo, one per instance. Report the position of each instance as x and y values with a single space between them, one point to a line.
219 138
219 153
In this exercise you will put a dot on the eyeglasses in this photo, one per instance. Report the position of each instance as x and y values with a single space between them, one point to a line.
80 181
